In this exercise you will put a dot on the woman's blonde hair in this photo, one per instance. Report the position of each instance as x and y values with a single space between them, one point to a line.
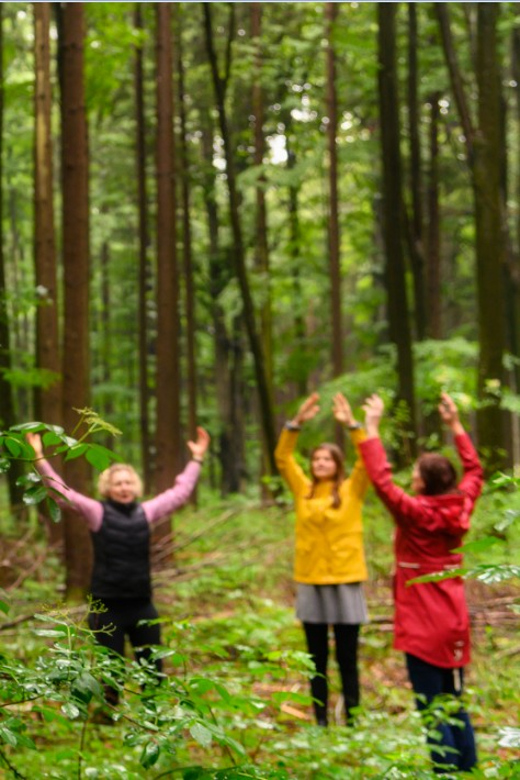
106 476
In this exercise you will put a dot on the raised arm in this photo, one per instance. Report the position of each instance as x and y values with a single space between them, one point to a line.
291 472
473 478
67 498
358 481
173 498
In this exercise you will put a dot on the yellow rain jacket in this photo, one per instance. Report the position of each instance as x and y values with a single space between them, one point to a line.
329 541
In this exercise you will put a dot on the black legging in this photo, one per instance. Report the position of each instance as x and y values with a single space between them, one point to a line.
346 637
120 619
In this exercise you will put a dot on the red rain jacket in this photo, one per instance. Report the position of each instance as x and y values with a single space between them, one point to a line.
431 619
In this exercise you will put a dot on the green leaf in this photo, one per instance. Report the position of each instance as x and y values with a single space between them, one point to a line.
13 445
34 495
75 451
201 734
4 607
50 439
150 754
99 457
8 736
478 545
85 686
70 710
53 509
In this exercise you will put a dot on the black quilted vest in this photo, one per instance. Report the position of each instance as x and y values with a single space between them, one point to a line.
122 553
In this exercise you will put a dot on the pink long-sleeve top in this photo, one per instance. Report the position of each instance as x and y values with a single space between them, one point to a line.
92 510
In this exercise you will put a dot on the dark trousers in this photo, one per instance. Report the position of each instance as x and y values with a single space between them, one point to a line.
429 681
346 636
121 619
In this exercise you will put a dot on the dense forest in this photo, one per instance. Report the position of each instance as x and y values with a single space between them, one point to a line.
209 211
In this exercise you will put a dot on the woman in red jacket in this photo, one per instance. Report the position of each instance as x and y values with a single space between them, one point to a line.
431 621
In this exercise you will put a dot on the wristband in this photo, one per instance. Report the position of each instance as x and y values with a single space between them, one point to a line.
197 460
292 426
354 427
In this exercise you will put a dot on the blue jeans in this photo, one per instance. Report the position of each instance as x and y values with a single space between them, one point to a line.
429 681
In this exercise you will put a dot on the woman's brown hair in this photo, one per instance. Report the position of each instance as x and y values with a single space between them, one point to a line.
437 473
337 457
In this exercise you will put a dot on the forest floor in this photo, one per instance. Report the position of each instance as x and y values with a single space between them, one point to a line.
227 600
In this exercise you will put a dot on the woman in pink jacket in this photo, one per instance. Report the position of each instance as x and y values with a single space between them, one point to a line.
431 621
120 526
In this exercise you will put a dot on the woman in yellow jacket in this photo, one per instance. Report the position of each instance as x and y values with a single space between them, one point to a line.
329 562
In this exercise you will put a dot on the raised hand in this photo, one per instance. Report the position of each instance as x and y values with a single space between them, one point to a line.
373 408
341 410
198 448
34 439
449 413
307 410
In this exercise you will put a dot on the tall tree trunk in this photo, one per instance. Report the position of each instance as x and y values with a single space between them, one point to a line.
416 223
168 434
255 345
48 401
7 412
261 247
398 312
189 286
295 255
331 13
514 254
433 239
484 161
76 374
489 233
228 353
144 263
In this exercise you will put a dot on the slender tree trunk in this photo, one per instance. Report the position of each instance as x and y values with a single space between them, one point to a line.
484 161
144 263
514 254
48 401
416 223
228 354
189 286
7 412
168 434
331 13
295 255
398 312
261 247
433 241
490 235
76 374
266 405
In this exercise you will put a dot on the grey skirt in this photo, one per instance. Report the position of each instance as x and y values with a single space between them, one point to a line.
331 604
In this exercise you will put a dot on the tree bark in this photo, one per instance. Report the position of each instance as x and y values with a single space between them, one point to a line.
416 222
189 286
433 239
331 12
255 345
490 241
7 411
76 374
484 161
144 262
48 402
398 311
261 247
168 438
